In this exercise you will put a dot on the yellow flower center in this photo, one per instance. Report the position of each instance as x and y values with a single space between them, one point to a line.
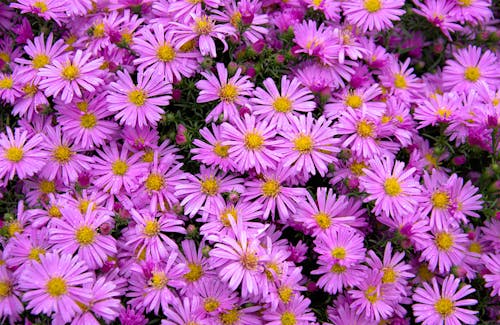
70 72
54 212
85 235
364 129
253 141
371 294
82 106
339 253
6 83
210 186
372 5
288 318
84 205
40 5
152 228
40 60
126 38
14 154
220 150
271 188
165 53
282 105
337 268
465 3
119 167
440 200
98 31
444 307
443 112
211 304
303 144
444 241
285 294
56 287
148 156
13 228
472 74
188 46
137 97
62 154
159 280
392 187
228 93
5 289
35 253
230 317
236 19
389 276
249 260
155 182
323 220
357 168
224 217
424 273
475 247
274 267
30 90
203 26
354 101
88 121
399 81
195 272
47 187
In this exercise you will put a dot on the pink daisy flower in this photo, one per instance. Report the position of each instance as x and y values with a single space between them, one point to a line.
340 245
309 146
198 266
361 98
230 92
212 152
67 76
10 86
334 277
31 101
47 9
437 109
492 264
20 155
473 11
26 247
251 143
54 284
185 311
139 105
297 311
181 10
371 15
444 304
439 13
469 67
398 77
393 188
215 296
10 305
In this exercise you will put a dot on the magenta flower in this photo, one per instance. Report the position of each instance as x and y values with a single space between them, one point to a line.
46 9
335 277
185 311
341 246
10 305
212 152
297 311
365 99
371 15
439 13
492 264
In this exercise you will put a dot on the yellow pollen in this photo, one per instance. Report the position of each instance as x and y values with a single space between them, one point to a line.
154 182
220 150
230 317
317 3
249 260
210 186
303 144
364 129
253 141
339 253
392 187
88 121
82 106
54 212
126 38
5 289
84 205
337 268
424 273
70 41
465 3
148 156
357 168
62 154
372 5
274 267
98 31
211 304
195 272
285 294
6 83
165 53
399 81
440 200
47 187
444 241
30 90
203 26
119 167
354 101
85 235
472 74
41 6
389 276
282 105
443 112
159 280
495 101
70 72
236 19
228 93
35 253
386 119
271 188
371 294
475 247
5 57
14 154
288 318
224 217
40 60
56 287
152 228
137 97
444 307
432 160
323 220
13 228
188 46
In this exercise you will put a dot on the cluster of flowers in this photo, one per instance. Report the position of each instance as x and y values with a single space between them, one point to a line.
113 227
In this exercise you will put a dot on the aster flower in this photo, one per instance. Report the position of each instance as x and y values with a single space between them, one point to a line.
10 305
230 92
31 100
492 264
185 311
198 266
280 106
398 77
46 9
437 109
68 75
139 105
211 151
181 10
54 284
340 245
439 13
469 67
10 86
371 15
310 38
343 314
215 296
473 11
444 304
393 188
26 247
361 98
20 155
297 311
